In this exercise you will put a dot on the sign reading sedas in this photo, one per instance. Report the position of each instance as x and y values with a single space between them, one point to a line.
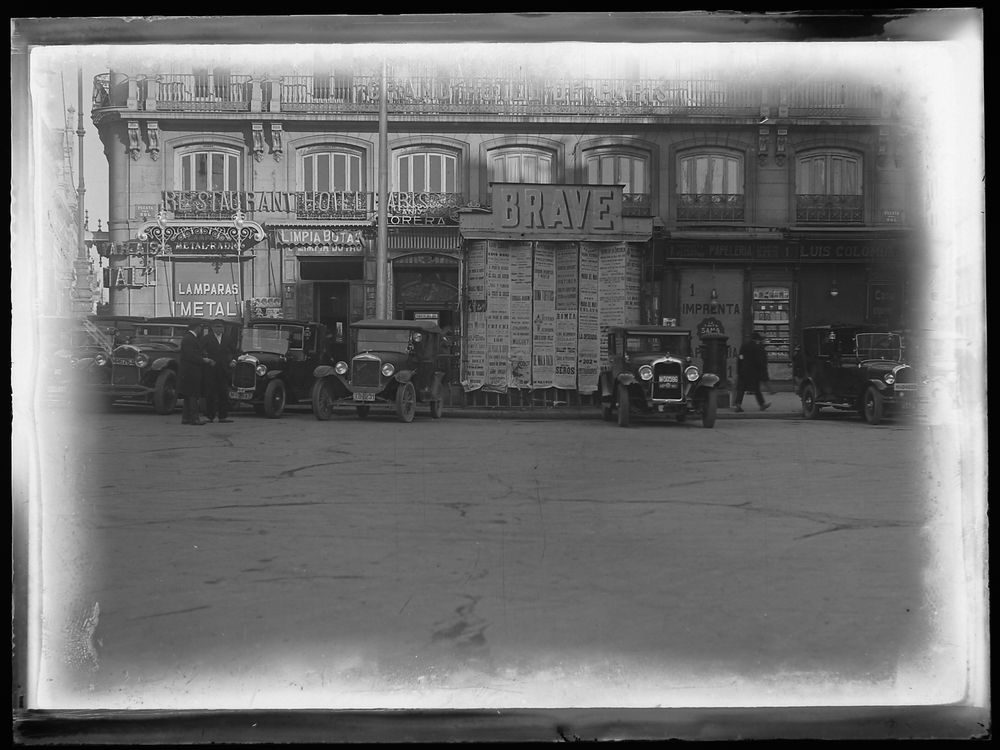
558 211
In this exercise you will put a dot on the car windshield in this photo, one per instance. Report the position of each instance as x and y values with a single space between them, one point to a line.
664 344
383 339
266 339
147 334
295 334
879 346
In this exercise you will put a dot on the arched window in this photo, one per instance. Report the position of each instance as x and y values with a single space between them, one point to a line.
828 187
710 186
334 170
622 167
209 169
423 171
520 164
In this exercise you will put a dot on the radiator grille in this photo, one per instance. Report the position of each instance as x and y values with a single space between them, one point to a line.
244 375
667 380
365 373
123 369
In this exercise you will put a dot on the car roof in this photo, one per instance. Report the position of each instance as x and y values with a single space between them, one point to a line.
280 321
406 325
650 329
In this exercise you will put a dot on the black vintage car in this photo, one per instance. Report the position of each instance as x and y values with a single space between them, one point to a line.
276 363
71 347
650 370
143 369
853 368
399 363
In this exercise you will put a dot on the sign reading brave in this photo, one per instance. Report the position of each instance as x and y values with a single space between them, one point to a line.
558 211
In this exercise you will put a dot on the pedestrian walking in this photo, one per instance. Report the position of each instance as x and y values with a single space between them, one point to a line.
751 372
216 388
190 377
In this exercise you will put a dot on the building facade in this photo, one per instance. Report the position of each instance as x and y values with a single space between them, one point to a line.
525 214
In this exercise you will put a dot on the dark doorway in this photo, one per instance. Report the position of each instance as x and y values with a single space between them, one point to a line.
332 303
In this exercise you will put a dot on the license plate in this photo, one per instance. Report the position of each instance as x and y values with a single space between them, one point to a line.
668 379
122 362
364 396
237 396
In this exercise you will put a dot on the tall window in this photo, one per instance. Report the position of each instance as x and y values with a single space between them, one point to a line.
209 170
631 170
710 186
427 172
828 187
332 171
520 165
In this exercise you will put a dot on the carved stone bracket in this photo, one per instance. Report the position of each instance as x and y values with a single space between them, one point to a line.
257 140
134 140
277 145
781 147
883 148
153 135
763 145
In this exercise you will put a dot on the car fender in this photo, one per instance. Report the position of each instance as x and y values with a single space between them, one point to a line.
161 363
272 374
323 371
708 380
404 376
802 386
878 383
626 378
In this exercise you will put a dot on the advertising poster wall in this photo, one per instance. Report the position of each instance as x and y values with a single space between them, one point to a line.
588 362
475 320
497 317
543 342
567 305
520 315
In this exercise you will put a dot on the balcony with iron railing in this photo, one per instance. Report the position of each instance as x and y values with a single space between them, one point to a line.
478 95
710 207
829 209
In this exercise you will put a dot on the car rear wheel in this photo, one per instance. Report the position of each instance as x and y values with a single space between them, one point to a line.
322 401
873 406
406 402
165 392
708 410
623 406
809 408
274 399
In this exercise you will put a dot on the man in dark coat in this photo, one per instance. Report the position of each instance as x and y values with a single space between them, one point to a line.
751 371
189 377
220 350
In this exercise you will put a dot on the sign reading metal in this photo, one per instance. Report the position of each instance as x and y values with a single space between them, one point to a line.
557 211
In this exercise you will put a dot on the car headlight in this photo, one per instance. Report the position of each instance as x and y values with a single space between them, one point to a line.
388 369
261 370
646 372
142 360
692 374
889 378
100 360
340 368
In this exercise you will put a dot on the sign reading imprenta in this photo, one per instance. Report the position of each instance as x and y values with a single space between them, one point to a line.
558 211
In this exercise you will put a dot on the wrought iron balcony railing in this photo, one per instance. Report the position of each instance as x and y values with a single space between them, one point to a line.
709 207
829 209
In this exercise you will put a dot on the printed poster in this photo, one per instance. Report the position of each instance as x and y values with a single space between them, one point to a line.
611 291
475 322
497 317
633 285
520 314
543 344
567 302
588 356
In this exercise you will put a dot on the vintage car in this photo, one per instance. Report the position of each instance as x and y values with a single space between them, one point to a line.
398 363
143 369
72 345
853 368
276 363
650 370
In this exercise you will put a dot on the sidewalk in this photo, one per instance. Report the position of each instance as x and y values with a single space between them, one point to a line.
784 405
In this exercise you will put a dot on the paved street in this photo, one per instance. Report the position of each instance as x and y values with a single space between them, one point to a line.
471 562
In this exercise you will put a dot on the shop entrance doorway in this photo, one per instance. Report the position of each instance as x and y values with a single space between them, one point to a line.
332 302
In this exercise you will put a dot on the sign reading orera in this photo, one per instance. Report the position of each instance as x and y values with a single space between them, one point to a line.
558 211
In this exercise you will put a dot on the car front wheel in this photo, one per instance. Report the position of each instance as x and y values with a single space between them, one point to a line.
873 406
322 401
406 402
809 408
708 410
623 406
437 408
274 399
165 392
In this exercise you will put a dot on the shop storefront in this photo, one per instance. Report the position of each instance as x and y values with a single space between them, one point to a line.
545 273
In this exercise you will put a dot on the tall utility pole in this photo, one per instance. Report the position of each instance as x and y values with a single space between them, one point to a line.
81 189
82 295
382 246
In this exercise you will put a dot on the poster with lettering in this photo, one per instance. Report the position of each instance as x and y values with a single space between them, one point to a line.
567 283
588 355
633 285
543 344
611 291
475 317
497 317
199 291
520 314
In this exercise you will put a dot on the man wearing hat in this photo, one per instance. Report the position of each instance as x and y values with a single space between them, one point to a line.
220 350
751 371
189 376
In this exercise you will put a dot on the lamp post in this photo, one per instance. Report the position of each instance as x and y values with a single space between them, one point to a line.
382 250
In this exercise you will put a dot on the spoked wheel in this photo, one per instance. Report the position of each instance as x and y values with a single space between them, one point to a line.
623 406
406 402
708 410
322 401
165 392
274 399
873 407
810 410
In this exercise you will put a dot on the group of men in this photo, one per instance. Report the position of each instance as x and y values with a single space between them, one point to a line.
204 373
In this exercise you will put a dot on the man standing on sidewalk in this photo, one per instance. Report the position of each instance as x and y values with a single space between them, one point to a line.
751 372
189 376
217 377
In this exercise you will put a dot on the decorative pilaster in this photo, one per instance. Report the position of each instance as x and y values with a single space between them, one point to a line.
763 145
277 146
781 147
882 153
134 140
153 136
257 140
